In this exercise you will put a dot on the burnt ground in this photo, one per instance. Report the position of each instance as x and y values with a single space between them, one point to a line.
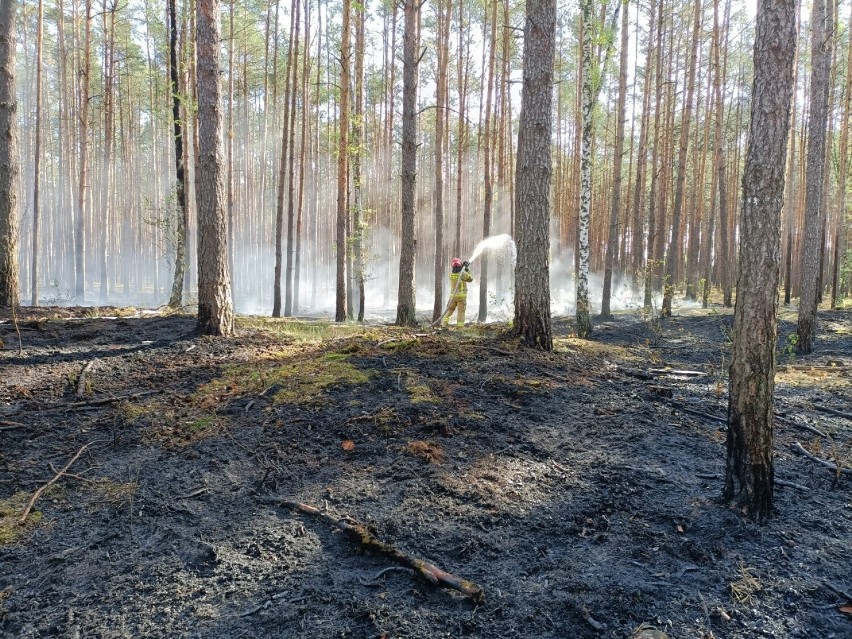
575 488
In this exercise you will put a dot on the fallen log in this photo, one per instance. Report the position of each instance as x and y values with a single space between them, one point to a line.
359 533
796 446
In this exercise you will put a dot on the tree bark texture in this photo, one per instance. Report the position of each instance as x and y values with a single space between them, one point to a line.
282 174
674 256
721 164
291 165
592 82
405 310
215 308
750 466
821 38
444 8
176 298
618 156
532 193
34 275
340 313
9 167
358 222
83 162
487 143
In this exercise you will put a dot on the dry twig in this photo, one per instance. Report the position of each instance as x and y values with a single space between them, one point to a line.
832 411
819 460
359 533
39 492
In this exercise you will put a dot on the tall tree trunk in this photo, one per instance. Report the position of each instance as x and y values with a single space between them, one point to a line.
721 164
304 154
461 137
215 308
405 310
37 159
291 163
638 244
83 160
789 197
107 169
357 153
176 298
445 9
592 82
615 209
822 34
342 169
229 177
282 174
487 143
9 167
843 223
674 255
532 222
749 472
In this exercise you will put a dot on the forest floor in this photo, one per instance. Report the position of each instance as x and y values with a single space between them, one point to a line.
579 489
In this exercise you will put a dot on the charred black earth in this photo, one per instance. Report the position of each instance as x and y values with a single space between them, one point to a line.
578 489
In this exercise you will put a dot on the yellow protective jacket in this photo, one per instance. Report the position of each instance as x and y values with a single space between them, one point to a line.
461 291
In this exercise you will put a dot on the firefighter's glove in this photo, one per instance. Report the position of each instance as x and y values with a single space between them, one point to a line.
466 265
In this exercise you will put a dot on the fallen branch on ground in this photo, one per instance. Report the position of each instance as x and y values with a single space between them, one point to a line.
832 411
806 367
7 425
102 401
819 460
692 411
39 492
375 583
810 429
790 484
359 533
665 371
81 380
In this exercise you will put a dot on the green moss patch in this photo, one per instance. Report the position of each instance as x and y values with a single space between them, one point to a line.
10 514
297 381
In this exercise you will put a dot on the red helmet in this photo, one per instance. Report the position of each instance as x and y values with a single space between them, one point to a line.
456 262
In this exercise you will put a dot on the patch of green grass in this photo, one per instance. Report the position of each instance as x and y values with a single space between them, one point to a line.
199 426
300 330
131 411
112 492
297 381
10 513
421 394
593 349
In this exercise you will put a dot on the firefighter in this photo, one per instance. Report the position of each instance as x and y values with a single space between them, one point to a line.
459 277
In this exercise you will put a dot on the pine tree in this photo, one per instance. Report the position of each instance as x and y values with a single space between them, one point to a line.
750 466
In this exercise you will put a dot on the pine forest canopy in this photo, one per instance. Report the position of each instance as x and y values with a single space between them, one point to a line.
107 104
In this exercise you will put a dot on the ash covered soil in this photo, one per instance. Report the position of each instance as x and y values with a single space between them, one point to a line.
578 489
